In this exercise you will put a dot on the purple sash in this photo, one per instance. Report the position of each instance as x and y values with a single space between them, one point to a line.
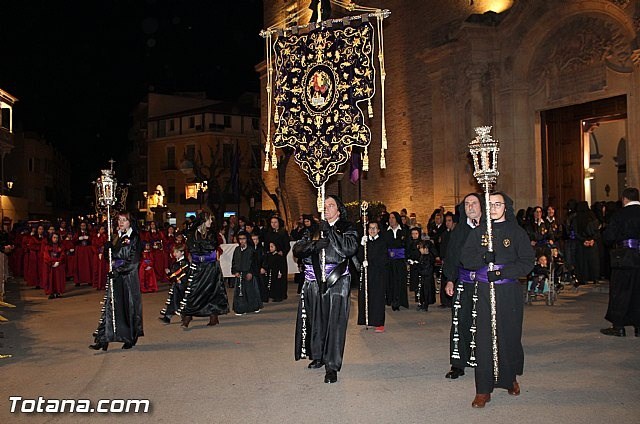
310 275
467 276
396 253
208 258
630 244
117 263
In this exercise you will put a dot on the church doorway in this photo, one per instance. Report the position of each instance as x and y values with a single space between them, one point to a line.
584 151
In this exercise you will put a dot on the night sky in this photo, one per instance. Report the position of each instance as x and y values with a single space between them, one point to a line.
78 68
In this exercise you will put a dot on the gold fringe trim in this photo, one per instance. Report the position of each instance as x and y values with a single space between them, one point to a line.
365 159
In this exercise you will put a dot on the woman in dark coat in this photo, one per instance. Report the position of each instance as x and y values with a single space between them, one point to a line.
121 318
205 295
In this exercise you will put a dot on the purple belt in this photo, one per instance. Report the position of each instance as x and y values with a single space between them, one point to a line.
117 263
396 253
208 258
630 244
467 276
310 275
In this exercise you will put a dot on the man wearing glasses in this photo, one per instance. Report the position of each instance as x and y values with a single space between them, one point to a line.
513 257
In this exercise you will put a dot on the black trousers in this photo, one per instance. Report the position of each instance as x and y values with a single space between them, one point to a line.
624 298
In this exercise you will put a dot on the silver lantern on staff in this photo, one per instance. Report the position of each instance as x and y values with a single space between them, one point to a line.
106 199
484 151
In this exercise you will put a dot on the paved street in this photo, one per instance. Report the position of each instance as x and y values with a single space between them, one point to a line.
243 371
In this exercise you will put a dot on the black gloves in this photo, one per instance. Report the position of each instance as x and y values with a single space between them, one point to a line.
493 276
321 244
112 274
490 257
324 226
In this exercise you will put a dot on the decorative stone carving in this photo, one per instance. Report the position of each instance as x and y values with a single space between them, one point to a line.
574 58
621 3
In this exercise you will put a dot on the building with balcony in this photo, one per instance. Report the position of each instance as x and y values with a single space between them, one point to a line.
11 208
41 176
200 153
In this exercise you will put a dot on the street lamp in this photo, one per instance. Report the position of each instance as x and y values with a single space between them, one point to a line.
192 190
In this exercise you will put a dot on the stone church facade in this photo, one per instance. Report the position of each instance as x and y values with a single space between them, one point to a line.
452 66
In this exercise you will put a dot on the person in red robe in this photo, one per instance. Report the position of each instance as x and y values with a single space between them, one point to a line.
157 239
16 260
43 269
100 263
54 265
33 265
146 272
63 230
69 246
84 253
169 243
26 238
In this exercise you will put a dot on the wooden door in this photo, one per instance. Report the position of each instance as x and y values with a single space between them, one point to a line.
563 150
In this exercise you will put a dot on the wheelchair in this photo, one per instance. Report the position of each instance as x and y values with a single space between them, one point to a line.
545 287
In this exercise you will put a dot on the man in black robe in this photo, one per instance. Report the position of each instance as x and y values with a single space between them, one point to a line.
623 234
121 317
323 312
513 257
470 215
376 264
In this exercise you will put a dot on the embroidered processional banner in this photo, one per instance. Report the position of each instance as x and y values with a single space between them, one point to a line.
321 79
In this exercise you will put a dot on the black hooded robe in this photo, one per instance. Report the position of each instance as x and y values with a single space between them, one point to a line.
205 294
246 294
514 253
121 316
460 336
321 324
376 281
397 282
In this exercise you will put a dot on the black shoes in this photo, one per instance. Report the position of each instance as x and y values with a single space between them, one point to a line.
331 376
316 363
395 308
615 331
186 319
127 346
165 319
454 373
98 346
213 320
52 296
